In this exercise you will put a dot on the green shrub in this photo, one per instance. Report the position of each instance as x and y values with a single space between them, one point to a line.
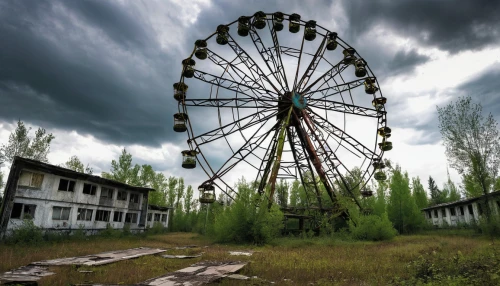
247 219
109 231
489 227
157 228
26 233
372 227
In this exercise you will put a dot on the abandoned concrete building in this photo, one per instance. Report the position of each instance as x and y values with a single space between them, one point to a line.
56 198
465 211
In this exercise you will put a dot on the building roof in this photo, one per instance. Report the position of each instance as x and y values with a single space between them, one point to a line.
60 171
463 201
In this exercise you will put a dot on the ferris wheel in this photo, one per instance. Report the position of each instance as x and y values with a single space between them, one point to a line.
261 101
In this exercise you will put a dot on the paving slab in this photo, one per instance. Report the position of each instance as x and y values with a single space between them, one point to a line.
29 273
181 256
197 274
101 258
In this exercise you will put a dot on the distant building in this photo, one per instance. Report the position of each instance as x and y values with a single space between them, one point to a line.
464 211
61 199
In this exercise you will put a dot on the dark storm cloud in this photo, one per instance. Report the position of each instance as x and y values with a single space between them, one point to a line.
89 66
485 89
449 25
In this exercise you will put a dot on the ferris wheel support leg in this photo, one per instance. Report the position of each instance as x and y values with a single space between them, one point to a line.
279 152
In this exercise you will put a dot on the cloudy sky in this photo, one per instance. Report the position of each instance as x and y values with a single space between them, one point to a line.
99 74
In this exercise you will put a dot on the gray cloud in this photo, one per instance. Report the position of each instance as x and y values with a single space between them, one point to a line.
452 26
99 73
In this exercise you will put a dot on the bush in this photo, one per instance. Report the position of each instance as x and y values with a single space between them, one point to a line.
109 231
372 227
247 219
489 227
157 228
26 233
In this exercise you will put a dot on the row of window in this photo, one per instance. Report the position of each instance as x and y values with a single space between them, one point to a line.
34 180
157 217
461 210
27 211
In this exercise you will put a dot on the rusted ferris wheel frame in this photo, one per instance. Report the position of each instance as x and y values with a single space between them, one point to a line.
271 96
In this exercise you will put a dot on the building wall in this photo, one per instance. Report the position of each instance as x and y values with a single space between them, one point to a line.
48 196
164 216
453 219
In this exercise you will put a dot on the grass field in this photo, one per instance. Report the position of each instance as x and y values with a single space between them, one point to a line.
434 258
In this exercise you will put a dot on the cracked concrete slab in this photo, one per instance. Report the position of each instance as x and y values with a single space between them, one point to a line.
101 258
29 273
197 274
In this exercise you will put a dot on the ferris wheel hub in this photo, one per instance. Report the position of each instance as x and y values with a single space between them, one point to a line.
299 101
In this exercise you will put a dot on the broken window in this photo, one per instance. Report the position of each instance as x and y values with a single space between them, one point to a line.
164 218
102 215
157 217
131 218
443 212
122 196
84 214
17 211
452 212
117 216
134 198
89 189
66 185
23 211
462 210
436 213
106 193
471 210
30 179
150 216
60 213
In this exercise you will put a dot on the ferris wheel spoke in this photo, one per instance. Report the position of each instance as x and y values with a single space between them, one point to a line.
229 103
268 161
239 88
340 134
334 89
235 126
330 74
314 159
298 63
303 166
343 107
244 78
270 57
244 151
257 73
313 65
328 158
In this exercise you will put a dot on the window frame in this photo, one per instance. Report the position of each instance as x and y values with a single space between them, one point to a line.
31 183
86 211
134 195
22 211
133 215
93 189
120 216
118 198
443 212
61 213
105 213
70 185
453 212
108 190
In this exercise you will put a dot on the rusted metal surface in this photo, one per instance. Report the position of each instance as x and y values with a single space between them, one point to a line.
101 258
29 273
197 274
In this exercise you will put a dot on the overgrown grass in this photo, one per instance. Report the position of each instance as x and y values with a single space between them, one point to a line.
450 258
